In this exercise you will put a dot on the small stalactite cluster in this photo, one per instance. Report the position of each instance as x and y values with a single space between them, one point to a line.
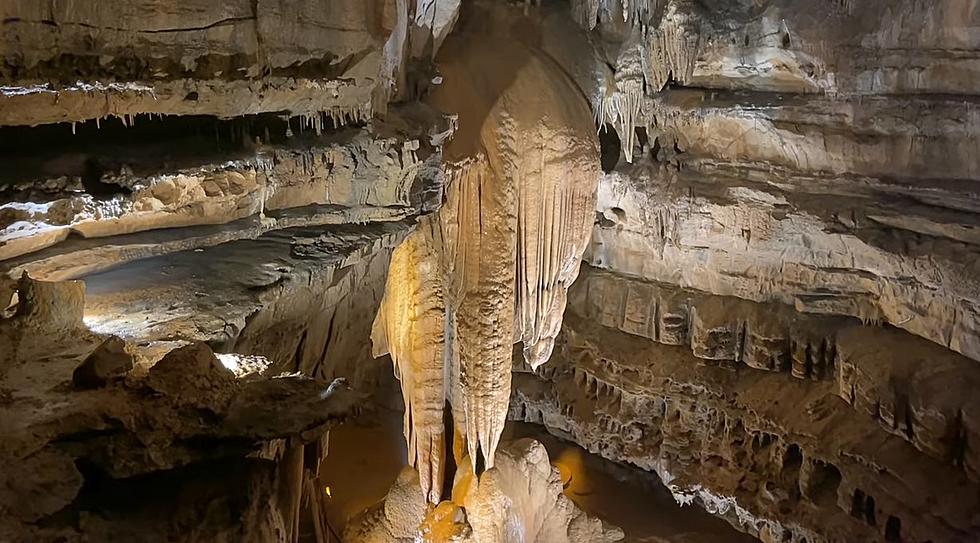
661 47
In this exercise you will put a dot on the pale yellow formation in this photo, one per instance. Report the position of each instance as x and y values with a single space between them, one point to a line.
510 236
410 327
519 500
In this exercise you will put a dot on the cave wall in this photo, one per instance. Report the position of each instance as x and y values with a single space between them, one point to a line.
777 311
197 214
778 308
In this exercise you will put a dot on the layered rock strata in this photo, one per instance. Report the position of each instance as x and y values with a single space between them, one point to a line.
793 225
160 423
795 156
813 428
196 222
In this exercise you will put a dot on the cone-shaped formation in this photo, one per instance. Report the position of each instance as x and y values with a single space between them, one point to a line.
410 327
507 244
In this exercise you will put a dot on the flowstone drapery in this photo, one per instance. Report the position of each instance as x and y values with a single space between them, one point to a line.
492 267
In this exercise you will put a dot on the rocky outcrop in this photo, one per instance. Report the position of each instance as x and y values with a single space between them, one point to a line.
205 206
187 409
107 361
850 245
196 222
144 47
305 181
787 426
788 252
789 157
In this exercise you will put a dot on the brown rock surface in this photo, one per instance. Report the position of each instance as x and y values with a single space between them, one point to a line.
779 315
108 360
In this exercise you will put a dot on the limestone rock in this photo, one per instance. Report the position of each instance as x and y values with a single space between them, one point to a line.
191 375
519 499
776 456
108 360
493 268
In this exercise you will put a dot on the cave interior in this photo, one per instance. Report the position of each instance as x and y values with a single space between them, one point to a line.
490 271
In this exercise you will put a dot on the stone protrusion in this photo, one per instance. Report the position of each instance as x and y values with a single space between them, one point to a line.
109 360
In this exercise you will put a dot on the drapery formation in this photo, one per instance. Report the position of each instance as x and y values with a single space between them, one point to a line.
492 267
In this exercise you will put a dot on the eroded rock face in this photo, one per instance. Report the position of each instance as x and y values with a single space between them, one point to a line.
836 439
790 166
779 315
196 223
788 252
187 409
107 361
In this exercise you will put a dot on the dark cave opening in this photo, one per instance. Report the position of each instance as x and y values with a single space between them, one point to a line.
893 529
610 148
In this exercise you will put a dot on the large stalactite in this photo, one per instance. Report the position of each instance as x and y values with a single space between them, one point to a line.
506 245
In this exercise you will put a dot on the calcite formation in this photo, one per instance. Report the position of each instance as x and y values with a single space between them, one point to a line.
493 267
840 363
520 499
217 218
787 251
196 221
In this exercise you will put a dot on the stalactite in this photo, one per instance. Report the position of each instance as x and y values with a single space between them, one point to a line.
651 57
410 327
516 220
622 110
671 49
588 13
554 221
485 308
393 59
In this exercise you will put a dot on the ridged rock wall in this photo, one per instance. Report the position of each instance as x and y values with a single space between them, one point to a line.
779 313
850 196
792 428
197 216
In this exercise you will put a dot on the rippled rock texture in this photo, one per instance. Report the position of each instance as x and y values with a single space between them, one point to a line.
780 309
798 427
519 499
207 209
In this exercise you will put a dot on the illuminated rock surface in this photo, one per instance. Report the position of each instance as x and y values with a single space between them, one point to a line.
519 499
492 267
212 211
